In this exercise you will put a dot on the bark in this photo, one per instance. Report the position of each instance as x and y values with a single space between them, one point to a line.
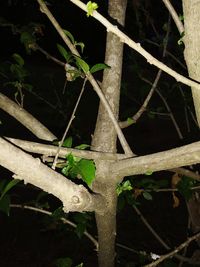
74 197
25 118
105 138
191 11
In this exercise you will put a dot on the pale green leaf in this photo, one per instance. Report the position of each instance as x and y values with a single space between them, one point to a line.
18 59
86 170
11 184
98 67
82 64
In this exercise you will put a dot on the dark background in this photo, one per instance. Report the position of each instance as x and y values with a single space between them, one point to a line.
28 238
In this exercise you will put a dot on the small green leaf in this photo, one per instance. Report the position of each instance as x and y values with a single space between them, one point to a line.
81 44
58 213
80 265
18 59
68 142
91 6
98 67
80 229
149 172
71 37
28 40
63 52
11 184
82 64
82 146
5 204
86 170
63 262
185 187
130 121
147 195
124 186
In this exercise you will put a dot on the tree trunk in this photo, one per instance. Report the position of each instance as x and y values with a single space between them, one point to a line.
191 11
105 138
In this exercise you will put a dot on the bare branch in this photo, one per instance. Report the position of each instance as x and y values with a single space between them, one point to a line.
32 170
50 150
173 158
90 78
175 251
68 125
137 47
25 118
174 15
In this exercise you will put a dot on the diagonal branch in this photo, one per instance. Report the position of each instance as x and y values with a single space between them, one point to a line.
174 252
174 15
32 170
89 76
25 118
137 47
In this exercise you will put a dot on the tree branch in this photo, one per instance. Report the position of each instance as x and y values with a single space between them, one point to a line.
90 78
51 150
173 158
174 15
25 118
137 47
32 170
175 251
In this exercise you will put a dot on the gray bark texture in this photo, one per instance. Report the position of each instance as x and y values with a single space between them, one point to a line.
105 138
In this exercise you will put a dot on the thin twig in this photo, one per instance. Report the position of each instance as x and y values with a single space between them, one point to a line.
64 220
174 15
161 241
124 144
174 252
137 47
168 109
153 87
68 126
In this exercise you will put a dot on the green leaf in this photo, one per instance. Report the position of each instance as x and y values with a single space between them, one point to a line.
3 183
130 121
63 262
184 187
28 40
91 6
70 36
58 213
147 195
67 142
149 172
82 64
124 186
80 265
81 44
10 185
80 229
63 52
87 170
18 59
98 67
82 146
5 204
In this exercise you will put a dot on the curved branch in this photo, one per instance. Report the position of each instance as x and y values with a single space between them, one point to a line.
173 158
137 47
25 118
174 15
32 170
